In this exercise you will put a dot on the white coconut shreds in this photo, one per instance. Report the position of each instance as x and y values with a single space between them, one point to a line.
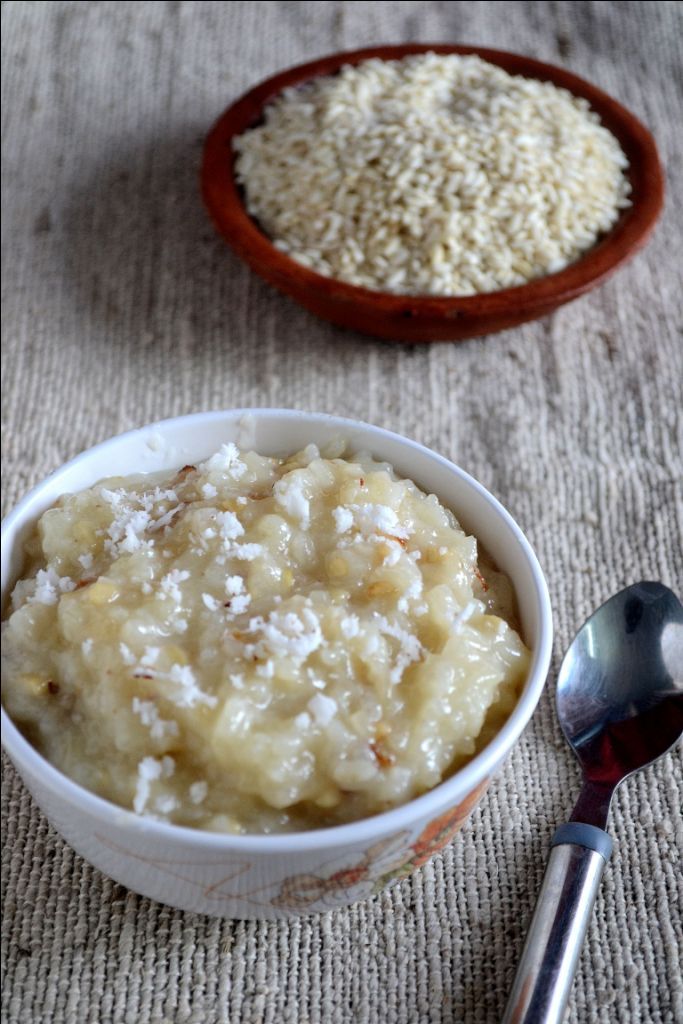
439 175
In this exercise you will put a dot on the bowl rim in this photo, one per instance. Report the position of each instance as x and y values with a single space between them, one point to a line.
224 202
452 790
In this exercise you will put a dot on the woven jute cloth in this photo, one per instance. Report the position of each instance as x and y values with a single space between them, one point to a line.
122 307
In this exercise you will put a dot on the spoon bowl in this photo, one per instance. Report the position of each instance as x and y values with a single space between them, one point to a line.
620 691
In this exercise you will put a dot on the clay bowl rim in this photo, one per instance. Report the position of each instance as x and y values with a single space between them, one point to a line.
224 201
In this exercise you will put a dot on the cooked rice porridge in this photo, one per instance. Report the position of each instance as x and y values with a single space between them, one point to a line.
259 644
433 174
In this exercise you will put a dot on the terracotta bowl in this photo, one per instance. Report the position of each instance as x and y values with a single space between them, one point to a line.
426 318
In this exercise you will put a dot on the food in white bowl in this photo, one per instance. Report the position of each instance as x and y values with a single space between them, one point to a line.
279 874
432 174
259 644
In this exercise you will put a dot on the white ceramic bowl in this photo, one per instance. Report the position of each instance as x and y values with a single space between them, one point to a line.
277 876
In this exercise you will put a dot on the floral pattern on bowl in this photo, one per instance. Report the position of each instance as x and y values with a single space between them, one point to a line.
382 864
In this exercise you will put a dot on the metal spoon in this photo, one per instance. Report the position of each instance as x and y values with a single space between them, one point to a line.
620 705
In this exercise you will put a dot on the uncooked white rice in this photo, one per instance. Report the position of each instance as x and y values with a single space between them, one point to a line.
439 175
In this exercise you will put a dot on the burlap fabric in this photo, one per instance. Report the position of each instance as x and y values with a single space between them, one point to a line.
121 307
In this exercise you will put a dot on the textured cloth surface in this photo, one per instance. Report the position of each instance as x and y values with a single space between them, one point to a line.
121 307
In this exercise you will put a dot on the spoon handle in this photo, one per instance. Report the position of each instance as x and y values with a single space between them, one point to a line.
565 903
